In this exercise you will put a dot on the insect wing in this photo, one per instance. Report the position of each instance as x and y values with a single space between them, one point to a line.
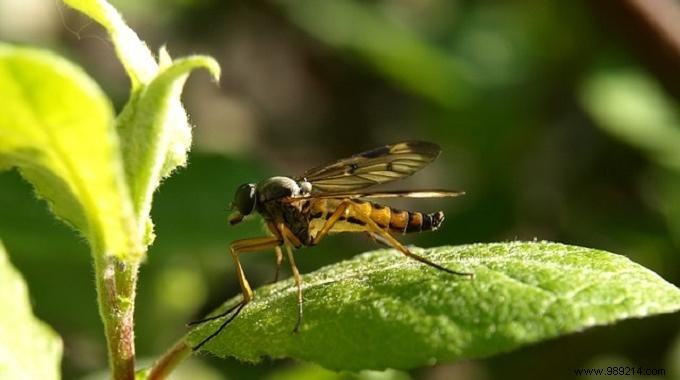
384 164
382 194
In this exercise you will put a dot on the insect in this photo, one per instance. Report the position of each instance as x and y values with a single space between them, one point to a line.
329 199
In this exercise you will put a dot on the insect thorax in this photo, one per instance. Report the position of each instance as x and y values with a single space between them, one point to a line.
274 189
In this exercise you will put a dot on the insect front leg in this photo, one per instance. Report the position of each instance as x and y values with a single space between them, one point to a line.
250 245
238 247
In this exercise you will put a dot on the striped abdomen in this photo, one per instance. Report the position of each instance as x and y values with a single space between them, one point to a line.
385 217
405 221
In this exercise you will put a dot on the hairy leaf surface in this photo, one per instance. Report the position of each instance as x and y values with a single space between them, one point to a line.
383 310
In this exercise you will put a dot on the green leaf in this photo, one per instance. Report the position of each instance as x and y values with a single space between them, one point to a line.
29 349
132 52
382 310
154 130
303 371
57 127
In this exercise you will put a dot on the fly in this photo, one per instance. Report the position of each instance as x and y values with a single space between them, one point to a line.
301 211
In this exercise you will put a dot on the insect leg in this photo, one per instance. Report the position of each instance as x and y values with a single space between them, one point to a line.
238 247
339 211
250 245
387 238
239 306
291 239
242 246
279 260
298 283
378 239
218 316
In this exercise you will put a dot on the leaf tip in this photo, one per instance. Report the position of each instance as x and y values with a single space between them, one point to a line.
213 68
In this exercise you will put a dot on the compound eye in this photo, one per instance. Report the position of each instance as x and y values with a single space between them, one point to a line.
244 199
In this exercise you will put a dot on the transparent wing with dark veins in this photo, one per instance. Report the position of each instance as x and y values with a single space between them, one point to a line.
379 194
384 164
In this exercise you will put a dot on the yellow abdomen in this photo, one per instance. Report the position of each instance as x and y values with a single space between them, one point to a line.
354 218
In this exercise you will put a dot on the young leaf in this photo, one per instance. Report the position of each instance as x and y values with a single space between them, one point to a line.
29 349
154 131
132 52
382 310
57 128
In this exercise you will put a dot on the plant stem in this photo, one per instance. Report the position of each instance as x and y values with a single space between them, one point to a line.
170 359
116 284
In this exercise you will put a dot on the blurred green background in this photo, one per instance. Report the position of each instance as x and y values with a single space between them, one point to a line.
559 119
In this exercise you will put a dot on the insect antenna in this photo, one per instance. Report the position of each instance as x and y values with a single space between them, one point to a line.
236 309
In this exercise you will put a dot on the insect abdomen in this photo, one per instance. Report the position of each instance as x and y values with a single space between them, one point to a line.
405 221
385 217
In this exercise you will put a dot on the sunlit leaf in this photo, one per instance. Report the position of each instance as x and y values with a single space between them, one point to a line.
29 349
57 127
154 129
132 52
382 310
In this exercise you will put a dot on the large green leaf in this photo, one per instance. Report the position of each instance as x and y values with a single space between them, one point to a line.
29 349
57 127
382 310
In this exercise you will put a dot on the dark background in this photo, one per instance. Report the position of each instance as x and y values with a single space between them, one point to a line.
559 120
